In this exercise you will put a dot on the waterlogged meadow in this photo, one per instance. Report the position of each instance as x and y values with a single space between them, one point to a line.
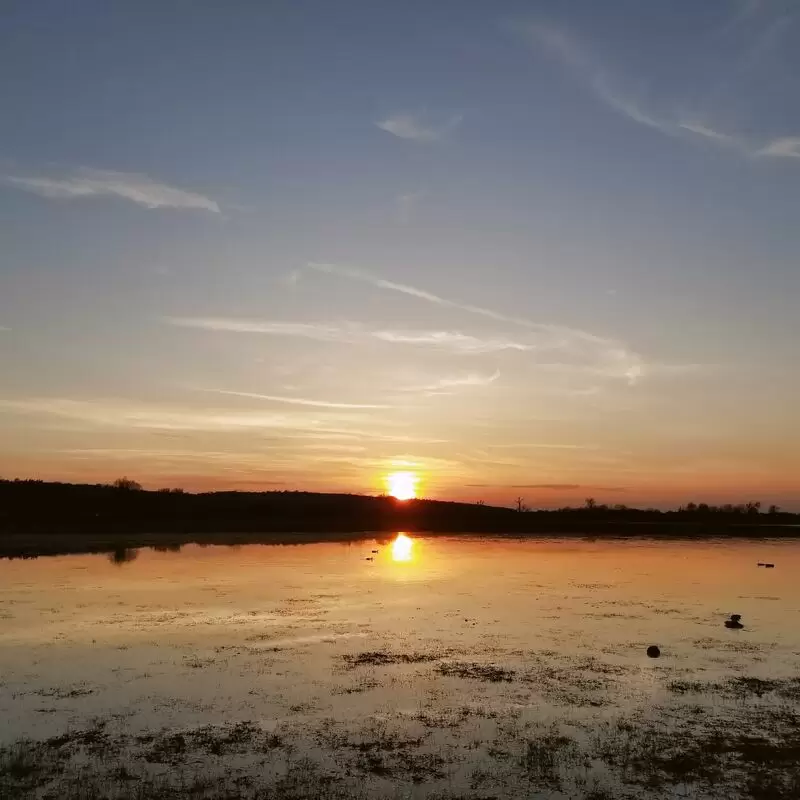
436 667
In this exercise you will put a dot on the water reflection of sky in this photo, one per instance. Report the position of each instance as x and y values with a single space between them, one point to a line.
170 638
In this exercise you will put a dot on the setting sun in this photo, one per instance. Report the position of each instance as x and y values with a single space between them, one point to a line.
403 485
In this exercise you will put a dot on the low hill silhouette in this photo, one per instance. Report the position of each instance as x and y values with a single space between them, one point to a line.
38 516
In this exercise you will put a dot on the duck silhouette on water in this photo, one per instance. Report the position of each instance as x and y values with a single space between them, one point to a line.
733 622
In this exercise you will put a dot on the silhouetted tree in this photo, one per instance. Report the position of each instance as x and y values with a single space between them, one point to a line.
520 503
590 503
753 508
127 485
773 510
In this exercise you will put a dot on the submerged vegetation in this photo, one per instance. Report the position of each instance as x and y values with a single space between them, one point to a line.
290 678
749 751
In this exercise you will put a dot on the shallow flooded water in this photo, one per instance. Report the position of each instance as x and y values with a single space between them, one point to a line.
435 667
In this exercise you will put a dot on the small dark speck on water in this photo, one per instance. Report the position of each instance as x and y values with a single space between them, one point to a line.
653 651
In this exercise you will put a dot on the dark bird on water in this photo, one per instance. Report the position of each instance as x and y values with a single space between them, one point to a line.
369 558
653 651
733 622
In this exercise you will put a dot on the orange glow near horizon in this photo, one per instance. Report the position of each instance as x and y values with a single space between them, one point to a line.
402 548
402 485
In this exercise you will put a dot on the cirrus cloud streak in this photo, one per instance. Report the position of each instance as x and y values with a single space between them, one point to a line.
138 188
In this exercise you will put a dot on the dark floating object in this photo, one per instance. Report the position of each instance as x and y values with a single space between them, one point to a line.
374 551
761 564
653 651
733 622
769 566
369 558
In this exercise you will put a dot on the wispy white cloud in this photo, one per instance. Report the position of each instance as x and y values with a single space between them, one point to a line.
421 294
578 58
335 448
122 415
457 381
305 330
125 415
354 333
137 188
419 128
573 54
552 346
625 105
787 147
162 456
542 446
452 340
709 133
356 434
607 355
299 401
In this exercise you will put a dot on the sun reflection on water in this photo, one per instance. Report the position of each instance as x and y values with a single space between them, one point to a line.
402 548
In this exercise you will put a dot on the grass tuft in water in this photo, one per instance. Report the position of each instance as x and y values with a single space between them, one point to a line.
477 671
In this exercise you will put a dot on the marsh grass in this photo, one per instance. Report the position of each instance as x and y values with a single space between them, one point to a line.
382 658
633 756
65 692
477 671
740 686
741 743
364 684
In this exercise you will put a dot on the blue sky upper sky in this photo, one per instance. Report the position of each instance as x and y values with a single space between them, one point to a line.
537 248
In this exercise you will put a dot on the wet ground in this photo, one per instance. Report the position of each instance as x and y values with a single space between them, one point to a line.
441 667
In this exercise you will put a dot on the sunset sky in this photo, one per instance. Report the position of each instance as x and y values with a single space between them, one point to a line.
546 249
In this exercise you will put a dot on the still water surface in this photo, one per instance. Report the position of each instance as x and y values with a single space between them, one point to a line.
455 644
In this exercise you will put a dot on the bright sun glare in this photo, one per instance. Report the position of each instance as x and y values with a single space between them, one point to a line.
402 547
403 485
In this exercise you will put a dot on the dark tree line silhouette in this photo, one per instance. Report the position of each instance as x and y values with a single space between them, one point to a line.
591 505
117 513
